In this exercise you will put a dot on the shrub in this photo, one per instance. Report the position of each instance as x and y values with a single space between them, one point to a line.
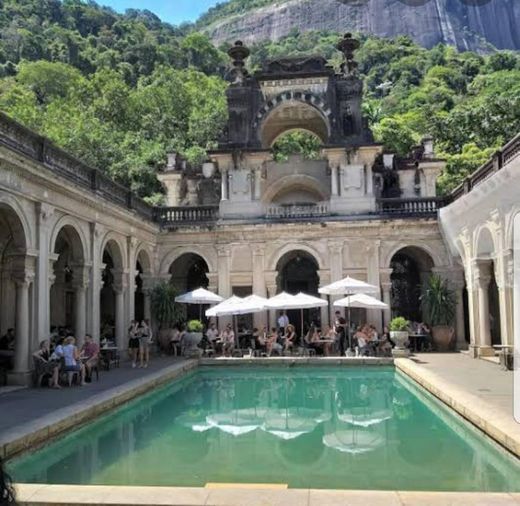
195 326
399 324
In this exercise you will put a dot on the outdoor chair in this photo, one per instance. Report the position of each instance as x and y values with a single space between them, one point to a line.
40 371
68 377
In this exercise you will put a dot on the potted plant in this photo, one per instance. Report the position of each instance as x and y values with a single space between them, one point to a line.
440 304
399 333
165 310
193 336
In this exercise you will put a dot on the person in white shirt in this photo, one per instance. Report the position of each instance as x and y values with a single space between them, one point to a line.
212 334
283 322
70 354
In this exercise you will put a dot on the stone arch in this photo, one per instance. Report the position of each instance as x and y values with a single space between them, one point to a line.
112 243
275 257
485 242
296 182
293 110
424 247
207 255
144 257
11 204
510 228
69 226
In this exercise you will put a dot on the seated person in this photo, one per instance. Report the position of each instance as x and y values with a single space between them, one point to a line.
289 339
361 339
427 341
70 354
385 344
330 335
228 340
272 343
212 333
260 337
90 355
47 365
7 341
312 338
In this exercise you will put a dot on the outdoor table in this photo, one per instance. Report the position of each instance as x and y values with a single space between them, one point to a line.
505 355
109 355
415 338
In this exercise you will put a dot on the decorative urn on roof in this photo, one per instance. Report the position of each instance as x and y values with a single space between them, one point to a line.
239 53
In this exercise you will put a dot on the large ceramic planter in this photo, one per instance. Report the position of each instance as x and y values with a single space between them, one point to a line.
443 337
400 338
208 169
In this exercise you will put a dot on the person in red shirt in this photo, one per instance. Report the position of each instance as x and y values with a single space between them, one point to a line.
90 354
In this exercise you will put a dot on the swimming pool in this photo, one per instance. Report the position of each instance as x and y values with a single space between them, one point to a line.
335 427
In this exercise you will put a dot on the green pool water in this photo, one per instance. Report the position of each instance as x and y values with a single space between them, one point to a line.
345 428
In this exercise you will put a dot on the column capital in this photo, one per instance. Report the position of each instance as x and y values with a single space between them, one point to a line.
120 283
223 250
385 276
258 249
80 277
336 247
44 212
22 278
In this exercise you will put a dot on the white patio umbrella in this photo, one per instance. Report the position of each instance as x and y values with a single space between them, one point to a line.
361 300
249 305
223 308
306 301
281 301
200 296
348 286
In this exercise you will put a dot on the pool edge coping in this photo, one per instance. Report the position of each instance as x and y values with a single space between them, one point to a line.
472 408
89 495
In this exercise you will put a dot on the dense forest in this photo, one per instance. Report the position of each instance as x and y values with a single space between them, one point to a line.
120 91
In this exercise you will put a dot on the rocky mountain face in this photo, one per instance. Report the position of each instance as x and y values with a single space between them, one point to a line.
466 24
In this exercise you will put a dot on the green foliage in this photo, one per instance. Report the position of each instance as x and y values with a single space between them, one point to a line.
297 143
121 90
166 311
439 301
399 324
195 326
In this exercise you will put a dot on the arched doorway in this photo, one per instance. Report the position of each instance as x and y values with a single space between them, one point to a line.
67 298
298 272
112 318
411 267
14 294
189 272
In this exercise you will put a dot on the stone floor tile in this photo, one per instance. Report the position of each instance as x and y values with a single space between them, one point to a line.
257 497
353 498
455 499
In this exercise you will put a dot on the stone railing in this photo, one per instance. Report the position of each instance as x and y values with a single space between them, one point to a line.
24 141
172 217
295 211
501 158
399 207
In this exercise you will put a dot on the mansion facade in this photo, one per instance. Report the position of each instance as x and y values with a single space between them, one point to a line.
78 250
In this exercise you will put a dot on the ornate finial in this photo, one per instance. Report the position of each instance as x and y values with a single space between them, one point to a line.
238 53
348 45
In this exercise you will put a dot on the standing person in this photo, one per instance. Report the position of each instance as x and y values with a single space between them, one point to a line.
133 343
7 341
144 335
71 357
283 321
340 326
90 353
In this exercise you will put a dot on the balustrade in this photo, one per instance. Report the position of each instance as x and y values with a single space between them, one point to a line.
297 210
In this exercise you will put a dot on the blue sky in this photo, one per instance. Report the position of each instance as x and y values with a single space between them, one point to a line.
173 11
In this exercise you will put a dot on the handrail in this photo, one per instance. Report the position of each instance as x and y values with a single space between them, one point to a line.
410 207
28 143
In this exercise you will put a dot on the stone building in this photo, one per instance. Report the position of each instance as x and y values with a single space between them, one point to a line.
79 250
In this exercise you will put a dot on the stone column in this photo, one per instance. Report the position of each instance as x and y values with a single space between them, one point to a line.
259 286
272 290
386 287
43 270
504 279
458 285
258 184
373 277
148 284
325 279
120 286
132 273
336 272
224 277
482 280
334 181
22 349
224 185
94 321
81 283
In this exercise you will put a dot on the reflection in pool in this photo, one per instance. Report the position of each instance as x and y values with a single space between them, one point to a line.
352 428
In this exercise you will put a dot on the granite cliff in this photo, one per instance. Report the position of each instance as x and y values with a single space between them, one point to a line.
465 24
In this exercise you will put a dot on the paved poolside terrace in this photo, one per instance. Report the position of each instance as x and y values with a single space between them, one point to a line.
478 390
